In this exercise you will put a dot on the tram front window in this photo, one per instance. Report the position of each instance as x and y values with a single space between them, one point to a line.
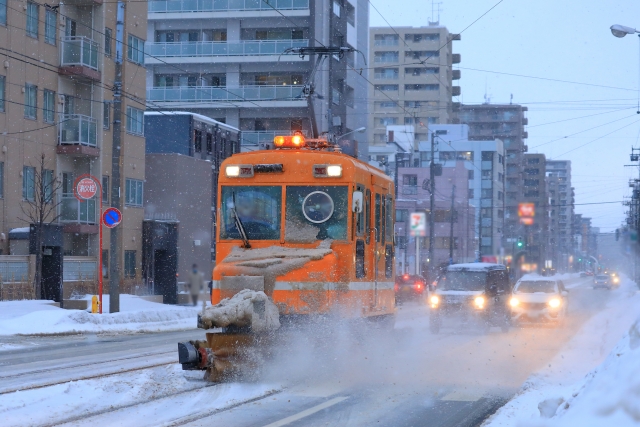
258 209
316 213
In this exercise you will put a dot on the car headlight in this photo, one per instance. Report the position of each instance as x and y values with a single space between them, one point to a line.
554 303
479 302
514 302
435 300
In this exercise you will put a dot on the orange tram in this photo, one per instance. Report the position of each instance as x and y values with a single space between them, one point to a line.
309 226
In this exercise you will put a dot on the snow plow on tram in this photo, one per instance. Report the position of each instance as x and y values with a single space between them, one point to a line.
304 230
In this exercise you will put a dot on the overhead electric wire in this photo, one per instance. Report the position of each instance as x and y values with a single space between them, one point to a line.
597 139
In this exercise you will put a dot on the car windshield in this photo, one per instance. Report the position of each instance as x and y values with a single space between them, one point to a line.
258 209
463 281
535 286
316 213
602 277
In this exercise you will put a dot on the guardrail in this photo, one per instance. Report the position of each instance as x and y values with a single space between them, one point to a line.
242 48
165 6
216 93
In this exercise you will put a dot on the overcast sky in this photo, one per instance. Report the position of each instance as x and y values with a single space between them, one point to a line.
565 40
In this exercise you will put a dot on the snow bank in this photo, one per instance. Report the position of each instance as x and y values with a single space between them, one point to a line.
593 381
136 315
246 308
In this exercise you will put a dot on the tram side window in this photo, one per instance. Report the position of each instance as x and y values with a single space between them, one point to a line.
389 219
367 216
378 217
360 221
360 269
388 261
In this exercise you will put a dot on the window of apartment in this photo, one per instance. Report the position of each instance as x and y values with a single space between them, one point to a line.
500 195
532 171
32 19
108 35
456 155
50 26
531 182
421 71
500 158
411 180
487 156
385 40
470 174
486 193
421 87
386 73
275 34
49 105
402 215
134 189
28 183
3 12
105 189
351 14
48 185
533 161
30 101
388 121
336 8
387 104
106 115
421 54
487 174
411 120
471 193
417 38
432 120
129 264
2 81
385 57
135 121
386 88
135 49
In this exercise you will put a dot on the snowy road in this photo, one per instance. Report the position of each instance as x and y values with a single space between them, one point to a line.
410 378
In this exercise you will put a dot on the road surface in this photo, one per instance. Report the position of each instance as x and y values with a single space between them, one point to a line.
407 377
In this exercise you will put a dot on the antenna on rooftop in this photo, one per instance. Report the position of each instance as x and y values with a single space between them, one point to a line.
435 7
511 99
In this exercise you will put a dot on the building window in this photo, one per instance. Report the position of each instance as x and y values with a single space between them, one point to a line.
48 109
106 115
387 104
402 215
3 12
135 49
32 20
471 174
48 185
385 57
421 87
30 101
107 41
105 189
388 121
28 183
50 27
134 192
2 93
386 88
336 8
386 73
129 264
351 14
471 193
135 121
487 156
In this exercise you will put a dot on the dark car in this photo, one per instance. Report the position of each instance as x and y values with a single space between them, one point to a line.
409 286
475 290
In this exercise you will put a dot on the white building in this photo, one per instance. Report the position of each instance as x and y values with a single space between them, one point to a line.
224 59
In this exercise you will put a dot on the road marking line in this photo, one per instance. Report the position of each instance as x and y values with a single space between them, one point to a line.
463 396
307 412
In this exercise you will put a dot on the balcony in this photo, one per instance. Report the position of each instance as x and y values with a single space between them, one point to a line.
455 91
275 95
78 136
191 6
79 58
455 75
77 216
255 138
455 58
243 51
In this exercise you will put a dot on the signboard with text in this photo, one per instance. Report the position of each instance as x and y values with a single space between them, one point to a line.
526 212
418 224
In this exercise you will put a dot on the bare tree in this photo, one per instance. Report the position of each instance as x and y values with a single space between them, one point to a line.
40 207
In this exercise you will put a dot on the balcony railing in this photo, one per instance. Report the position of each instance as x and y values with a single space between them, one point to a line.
386 42
243 48
73 210
164 6
250 137
215 93
79 51
76 129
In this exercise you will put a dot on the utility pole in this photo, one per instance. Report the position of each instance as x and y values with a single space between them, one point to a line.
432 202
116 150
453 196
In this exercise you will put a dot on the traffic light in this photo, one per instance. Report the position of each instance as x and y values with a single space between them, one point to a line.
519 243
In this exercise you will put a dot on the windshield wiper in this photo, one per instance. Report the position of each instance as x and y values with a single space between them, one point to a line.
239 226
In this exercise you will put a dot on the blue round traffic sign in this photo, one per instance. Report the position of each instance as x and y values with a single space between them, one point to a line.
111 217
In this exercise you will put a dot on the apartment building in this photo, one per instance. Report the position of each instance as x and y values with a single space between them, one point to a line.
225 60
412 72
506 122
535 235
561 211
56 78
485 164
413 196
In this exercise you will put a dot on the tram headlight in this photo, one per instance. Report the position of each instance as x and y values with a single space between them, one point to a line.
479 302
334 171
233 171
239 171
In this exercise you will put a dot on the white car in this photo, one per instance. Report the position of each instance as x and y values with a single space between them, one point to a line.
537 298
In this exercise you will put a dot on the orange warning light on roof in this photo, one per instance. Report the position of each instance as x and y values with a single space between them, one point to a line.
295 141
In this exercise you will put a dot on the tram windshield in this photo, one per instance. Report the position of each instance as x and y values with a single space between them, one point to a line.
258 208
316 213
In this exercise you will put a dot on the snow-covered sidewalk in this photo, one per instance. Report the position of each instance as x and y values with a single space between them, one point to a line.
136 315
593 381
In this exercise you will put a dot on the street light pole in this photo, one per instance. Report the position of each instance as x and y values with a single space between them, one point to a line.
432 202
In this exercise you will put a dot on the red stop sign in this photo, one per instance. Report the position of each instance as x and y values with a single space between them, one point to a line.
86 188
